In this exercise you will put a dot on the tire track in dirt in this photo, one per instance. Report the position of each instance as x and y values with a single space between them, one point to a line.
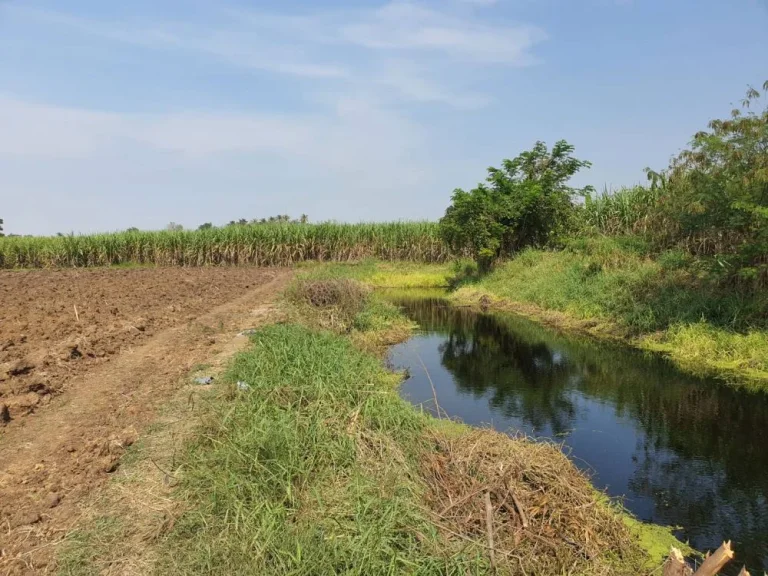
58 458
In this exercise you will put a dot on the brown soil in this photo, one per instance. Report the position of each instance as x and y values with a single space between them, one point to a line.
77 388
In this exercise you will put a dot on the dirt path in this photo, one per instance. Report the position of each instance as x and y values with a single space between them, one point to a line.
59 456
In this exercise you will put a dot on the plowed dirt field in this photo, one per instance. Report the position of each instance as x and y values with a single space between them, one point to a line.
86 357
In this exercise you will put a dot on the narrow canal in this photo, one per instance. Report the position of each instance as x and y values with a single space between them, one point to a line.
681 451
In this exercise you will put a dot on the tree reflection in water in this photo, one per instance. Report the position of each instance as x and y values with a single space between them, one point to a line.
684 451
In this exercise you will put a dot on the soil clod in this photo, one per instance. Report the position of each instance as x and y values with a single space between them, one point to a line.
52 500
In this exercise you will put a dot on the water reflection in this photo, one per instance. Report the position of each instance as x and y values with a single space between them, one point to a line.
683 451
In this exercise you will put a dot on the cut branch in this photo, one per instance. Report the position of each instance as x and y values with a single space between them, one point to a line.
714 562
489 527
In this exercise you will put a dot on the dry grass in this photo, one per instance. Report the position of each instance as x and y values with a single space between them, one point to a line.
545 517
343 293
330 304
121 527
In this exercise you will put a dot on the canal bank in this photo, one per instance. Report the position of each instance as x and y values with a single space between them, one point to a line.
306 460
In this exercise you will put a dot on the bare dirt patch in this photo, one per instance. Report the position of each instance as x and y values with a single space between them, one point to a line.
58 324
136 333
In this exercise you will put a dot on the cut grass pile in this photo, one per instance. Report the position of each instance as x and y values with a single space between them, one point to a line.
319 467
278 244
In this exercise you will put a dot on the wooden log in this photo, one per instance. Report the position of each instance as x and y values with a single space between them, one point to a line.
714 562
675 564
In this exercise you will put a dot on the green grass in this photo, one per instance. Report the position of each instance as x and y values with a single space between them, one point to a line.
659 302
311 472
378 274
263 245
319 467
707 350
86 550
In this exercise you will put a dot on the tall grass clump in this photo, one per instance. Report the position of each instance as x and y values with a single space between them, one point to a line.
625 211
274 244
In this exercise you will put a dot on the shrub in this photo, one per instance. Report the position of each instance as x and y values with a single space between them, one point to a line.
527 202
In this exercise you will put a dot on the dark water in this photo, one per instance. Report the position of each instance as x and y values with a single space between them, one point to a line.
682 451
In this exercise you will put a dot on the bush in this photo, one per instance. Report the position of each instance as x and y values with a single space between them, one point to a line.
526 202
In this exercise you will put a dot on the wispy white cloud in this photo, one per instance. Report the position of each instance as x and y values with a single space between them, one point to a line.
412 83
30 129
349 130
348 46
230 42
361 71
409 26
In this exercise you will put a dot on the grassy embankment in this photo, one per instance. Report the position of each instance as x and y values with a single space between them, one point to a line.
279 244
320 468
614 287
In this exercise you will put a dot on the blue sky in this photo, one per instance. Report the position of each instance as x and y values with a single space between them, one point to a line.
118 114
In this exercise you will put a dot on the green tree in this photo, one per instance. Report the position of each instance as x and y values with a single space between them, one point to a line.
173 227
1 228
526 202
205 226
715 194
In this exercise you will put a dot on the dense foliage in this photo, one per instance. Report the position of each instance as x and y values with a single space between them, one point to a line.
526 202
716 194
711 202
